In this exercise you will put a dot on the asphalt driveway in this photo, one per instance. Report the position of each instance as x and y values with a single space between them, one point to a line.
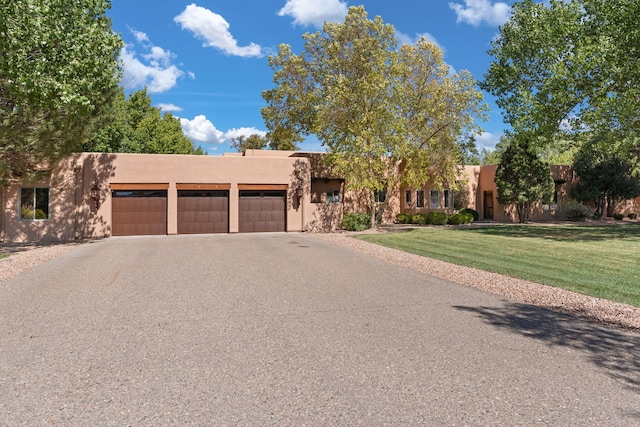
287 329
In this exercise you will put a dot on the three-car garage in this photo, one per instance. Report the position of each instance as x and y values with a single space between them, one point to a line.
142 209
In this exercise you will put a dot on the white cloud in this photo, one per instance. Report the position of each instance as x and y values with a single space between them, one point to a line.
154 69
201 129
475 12
407 39
234 133
314 12
169 107
214 30
488 140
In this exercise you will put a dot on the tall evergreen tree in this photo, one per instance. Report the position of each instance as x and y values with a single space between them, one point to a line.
522 178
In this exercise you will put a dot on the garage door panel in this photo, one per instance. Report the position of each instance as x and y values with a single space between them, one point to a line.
203 212
139 215
262 211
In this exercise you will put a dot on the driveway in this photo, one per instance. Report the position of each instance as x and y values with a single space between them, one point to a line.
287 329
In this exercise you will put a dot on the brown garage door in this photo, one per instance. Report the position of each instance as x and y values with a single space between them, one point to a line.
138 212
203 211
261 211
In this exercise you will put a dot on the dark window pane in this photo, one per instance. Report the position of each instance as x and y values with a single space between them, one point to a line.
27 200
42 203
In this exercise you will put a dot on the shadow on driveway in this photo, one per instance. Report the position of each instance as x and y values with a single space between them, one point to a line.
617 353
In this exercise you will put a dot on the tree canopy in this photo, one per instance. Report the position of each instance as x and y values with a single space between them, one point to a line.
605 175
569 65
522 177
58 75
135 126
372 104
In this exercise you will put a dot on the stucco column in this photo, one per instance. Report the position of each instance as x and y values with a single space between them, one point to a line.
172 209
234 201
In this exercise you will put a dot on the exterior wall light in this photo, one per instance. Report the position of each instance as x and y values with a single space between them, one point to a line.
94 193
299 192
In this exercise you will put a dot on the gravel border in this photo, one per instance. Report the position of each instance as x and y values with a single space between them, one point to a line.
603 311
24 257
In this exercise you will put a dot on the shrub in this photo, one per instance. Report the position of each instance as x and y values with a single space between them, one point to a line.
633 215
473 212
437 218
403 218
575 211
618 216
356 221
419 219
460 218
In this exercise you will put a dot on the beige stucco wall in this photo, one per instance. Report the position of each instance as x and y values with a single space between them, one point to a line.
73 214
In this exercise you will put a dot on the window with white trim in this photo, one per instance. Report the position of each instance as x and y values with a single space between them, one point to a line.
34 203
434 199
420 198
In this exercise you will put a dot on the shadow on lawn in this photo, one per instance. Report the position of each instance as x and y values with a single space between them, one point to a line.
617 353
568 233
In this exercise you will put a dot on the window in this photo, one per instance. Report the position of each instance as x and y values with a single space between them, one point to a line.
407 198
420 198
380 196
34 203
434 199
333 196
448 198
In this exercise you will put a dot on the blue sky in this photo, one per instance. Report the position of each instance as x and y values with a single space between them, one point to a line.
206 62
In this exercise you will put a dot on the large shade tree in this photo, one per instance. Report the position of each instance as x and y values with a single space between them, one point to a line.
569 65
374 106
606 175
136 126
58 75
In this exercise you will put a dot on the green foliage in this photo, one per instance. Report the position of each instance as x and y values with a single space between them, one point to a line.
618 216
403 218
356 221
475 215
138 127
58 76
460 218
437 218
373 104
522 178
568 62
633 215
575 211
418 219
604 177
461 196
251 142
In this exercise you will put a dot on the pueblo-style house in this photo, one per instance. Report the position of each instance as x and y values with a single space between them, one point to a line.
97 195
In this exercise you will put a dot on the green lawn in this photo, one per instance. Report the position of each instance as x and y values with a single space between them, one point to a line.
3 256
602 261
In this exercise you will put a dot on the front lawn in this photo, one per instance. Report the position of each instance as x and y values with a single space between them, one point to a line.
602 261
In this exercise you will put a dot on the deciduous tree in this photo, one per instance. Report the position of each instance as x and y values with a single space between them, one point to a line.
58 75
136 126
604 178
569 65
251 142
374 106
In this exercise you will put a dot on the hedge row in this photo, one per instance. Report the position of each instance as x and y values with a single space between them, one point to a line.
465 216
